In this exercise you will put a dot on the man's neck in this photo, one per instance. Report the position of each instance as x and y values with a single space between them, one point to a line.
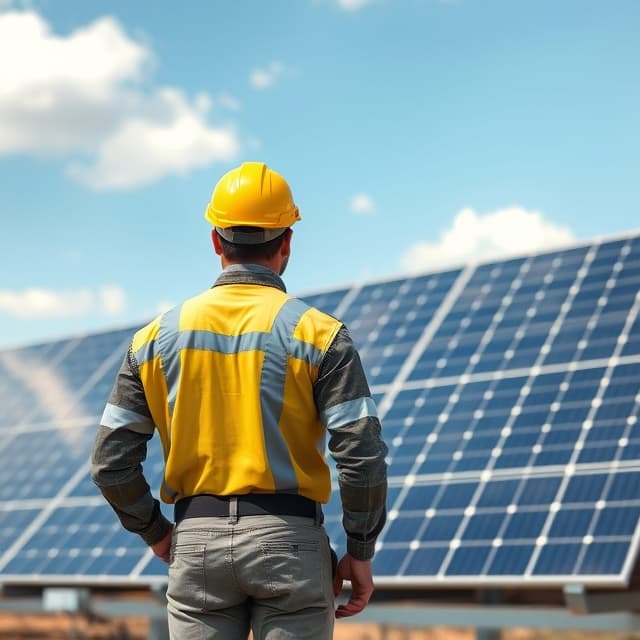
269 264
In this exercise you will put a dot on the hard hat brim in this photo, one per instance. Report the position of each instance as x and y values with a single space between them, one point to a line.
249 235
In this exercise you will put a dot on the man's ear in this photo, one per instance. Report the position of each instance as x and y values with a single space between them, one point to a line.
215 239
285 247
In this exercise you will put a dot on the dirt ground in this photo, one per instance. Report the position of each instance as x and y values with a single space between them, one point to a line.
61 626
354 631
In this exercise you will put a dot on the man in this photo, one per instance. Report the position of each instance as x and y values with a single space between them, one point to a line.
242 383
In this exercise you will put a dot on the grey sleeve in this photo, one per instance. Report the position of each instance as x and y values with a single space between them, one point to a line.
347 410
120 448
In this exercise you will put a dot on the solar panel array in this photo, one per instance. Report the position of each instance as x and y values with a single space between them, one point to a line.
509 394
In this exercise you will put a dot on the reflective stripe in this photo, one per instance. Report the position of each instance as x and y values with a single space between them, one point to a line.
166 489
346 412
272 382
221 343
170 354
116 417
146 352
307 352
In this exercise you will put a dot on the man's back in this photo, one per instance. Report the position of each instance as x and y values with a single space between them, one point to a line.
235 366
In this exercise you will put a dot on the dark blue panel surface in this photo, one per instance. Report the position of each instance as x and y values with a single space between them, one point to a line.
425 561
557 559
525 525
604 558
442 528
571 523
482 526
510 560
468 561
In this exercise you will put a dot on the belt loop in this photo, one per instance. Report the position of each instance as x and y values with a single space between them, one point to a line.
233 509
319 517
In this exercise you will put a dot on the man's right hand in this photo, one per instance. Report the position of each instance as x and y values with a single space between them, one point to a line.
162 548
361 577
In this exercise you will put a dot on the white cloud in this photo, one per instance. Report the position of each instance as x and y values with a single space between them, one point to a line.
45 303
142 151
497 234
264 78
112 299
87 92
353 5
59 94
362 203
227 101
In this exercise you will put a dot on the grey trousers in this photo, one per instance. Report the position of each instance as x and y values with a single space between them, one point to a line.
270 574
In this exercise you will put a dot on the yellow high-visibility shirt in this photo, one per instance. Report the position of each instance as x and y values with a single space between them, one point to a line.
228 376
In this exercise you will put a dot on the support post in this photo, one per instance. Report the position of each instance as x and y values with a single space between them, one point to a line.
489 598
158 629
581 601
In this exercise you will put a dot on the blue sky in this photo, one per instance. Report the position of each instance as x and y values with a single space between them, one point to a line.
415 134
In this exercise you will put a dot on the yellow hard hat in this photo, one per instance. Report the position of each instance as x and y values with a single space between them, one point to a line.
252 195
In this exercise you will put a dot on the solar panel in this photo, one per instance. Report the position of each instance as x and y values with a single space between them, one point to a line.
509 393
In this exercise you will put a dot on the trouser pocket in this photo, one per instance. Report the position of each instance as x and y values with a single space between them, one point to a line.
186 586
292 566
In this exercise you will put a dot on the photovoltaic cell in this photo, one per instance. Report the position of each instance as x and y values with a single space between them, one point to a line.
509 394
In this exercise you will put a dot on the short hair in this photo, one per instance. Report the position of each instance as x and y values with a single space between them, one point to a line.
252 252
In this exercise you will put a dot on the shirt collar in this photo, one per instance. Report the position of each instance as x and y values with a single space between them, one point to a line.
250 274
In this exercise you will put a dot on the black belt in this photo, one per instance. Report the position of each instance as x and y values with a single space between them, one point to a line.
253 504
